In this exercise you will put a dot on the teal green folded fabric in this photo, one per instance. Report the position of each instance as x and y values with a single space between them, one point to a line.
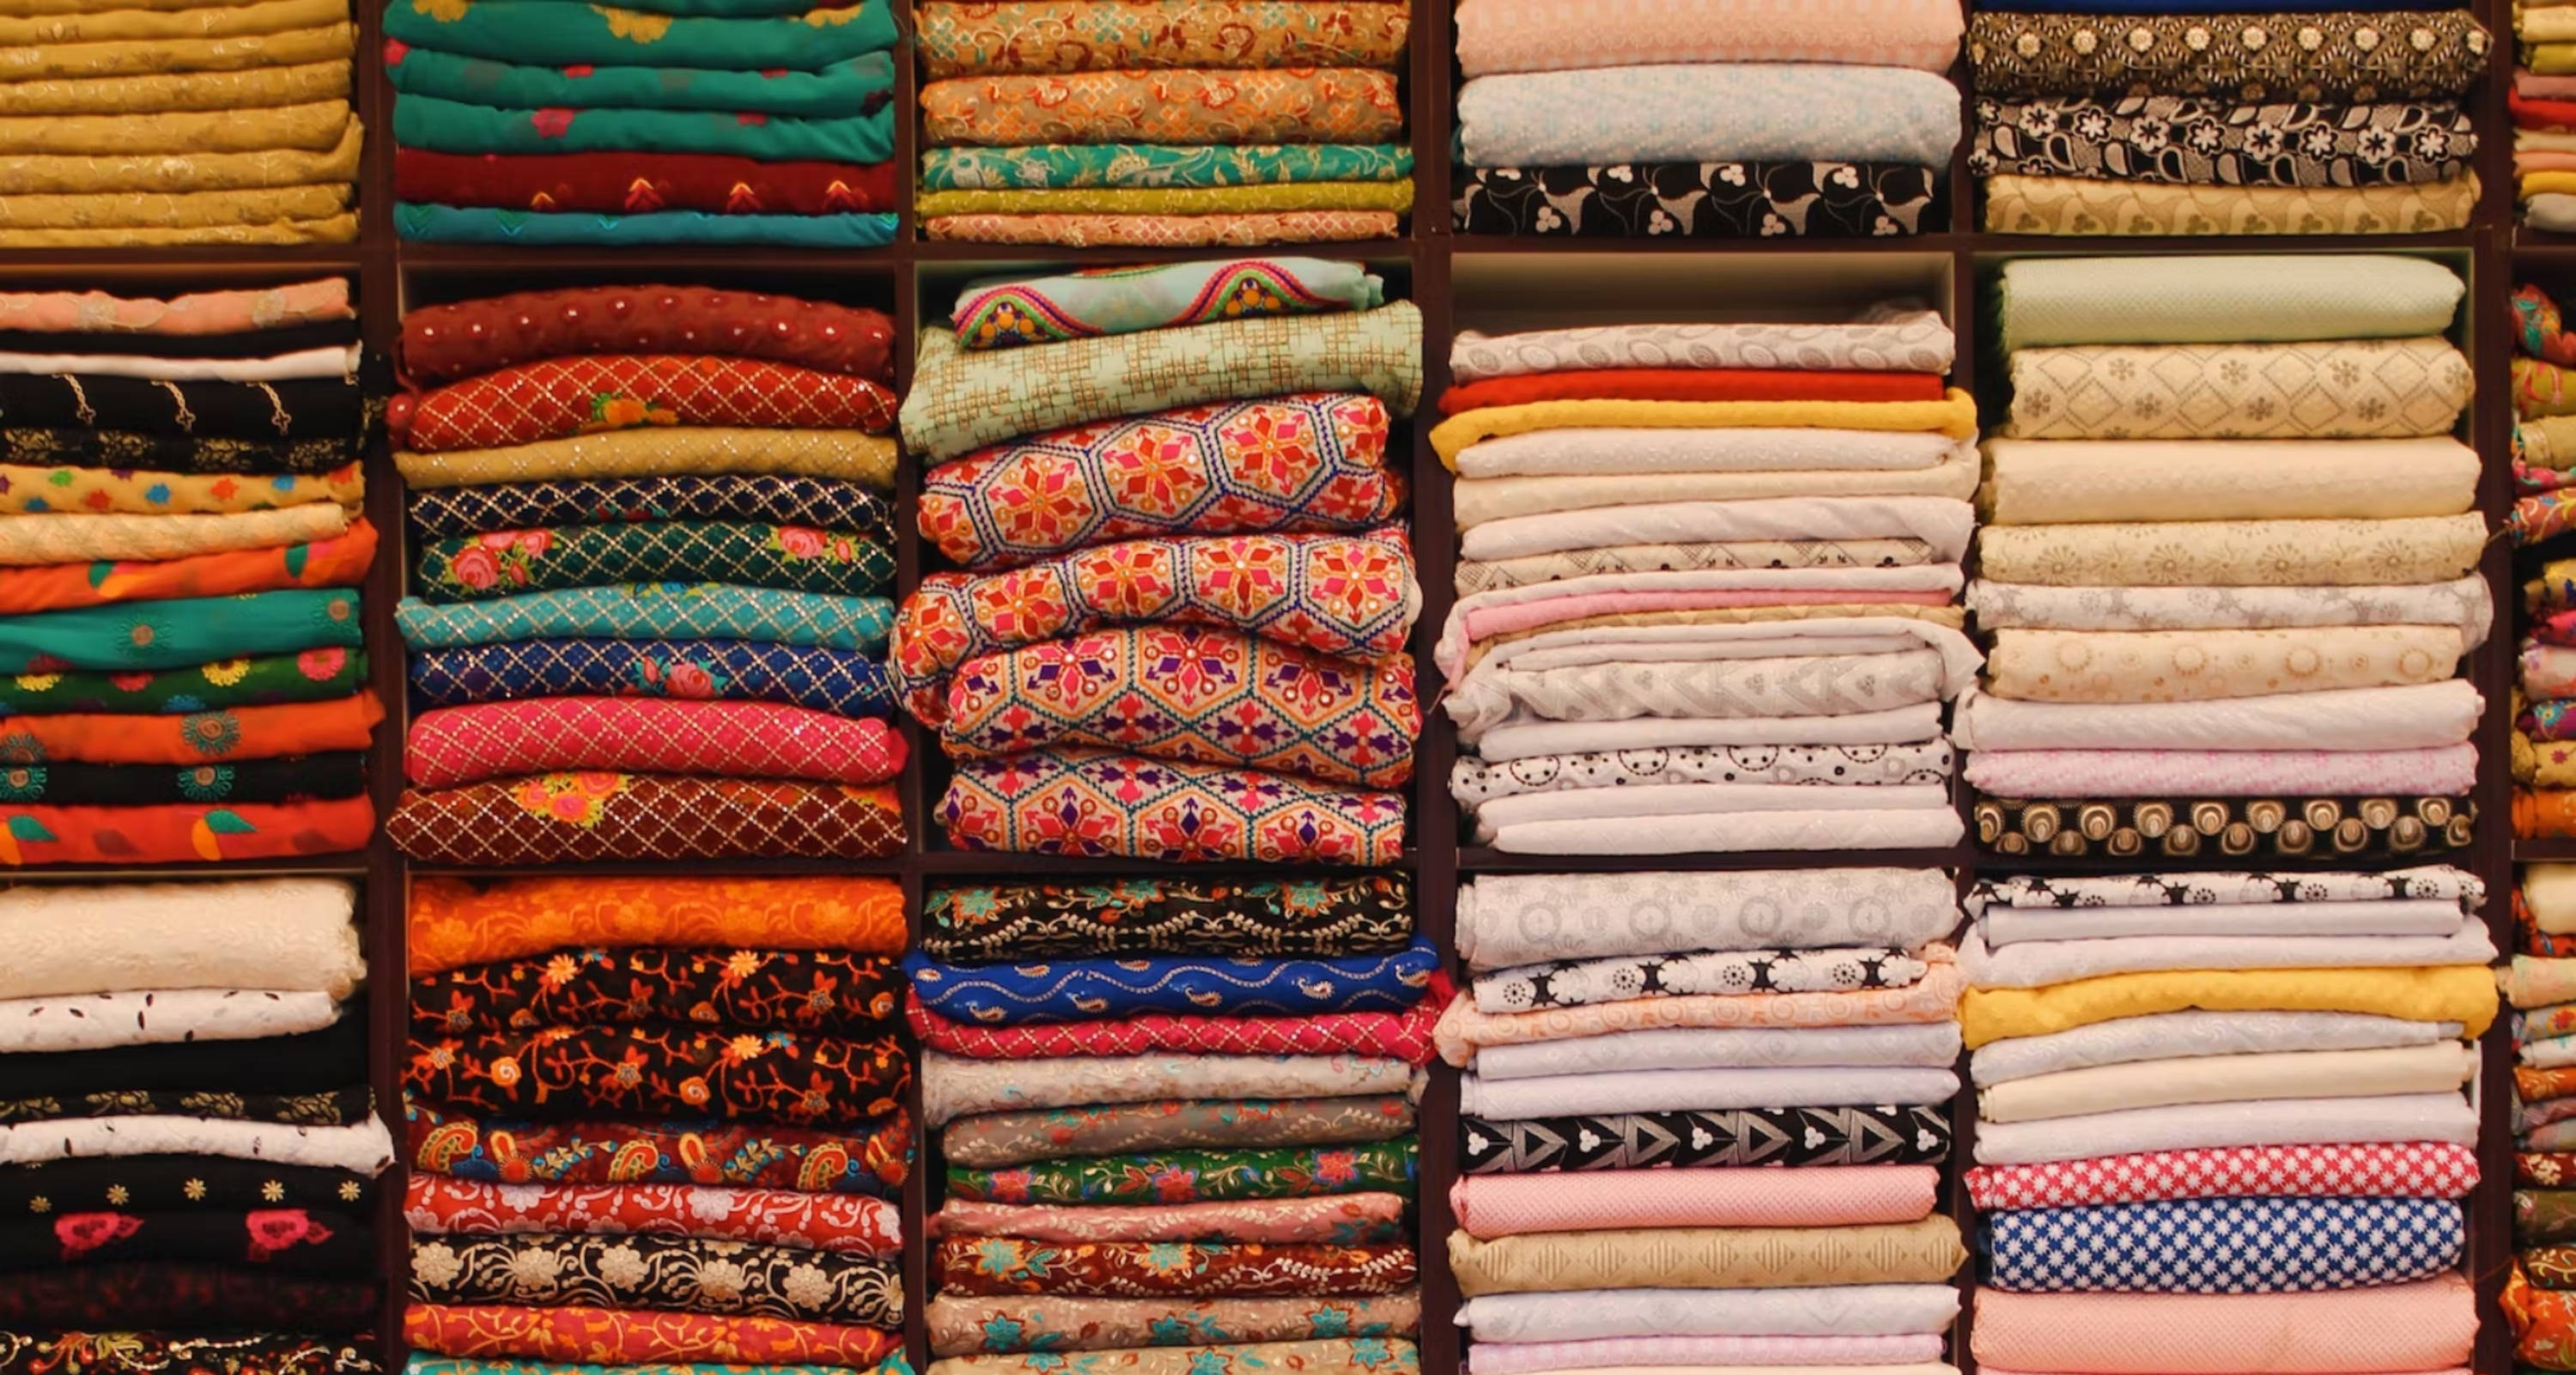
421 222
179 634
655 611
832 92
562 32
1060 167
448 126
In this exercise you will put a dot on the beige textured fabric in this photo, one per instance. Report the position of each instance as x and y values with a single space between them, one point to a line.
1954 617
242 90
2235 553
2206 665
2329 389
1477 500
164 174
849 455
196 210
293 47
1925 1252
2437 1067
2042 482
2081 205
83 538
1480 576
316 127
336 229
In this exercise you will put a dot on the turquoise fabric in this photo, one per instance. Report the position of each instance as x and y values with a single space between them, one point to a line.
448 126
655 611
424 223
834 91
181 633
566 33
1065 167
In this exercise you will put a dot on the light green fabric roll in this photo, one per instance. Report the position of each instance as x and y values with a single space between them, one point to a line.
2215 300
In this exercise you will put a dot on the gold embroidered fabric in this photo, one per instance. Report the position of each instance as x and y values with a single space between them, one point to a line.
2329 389
2205 665
1924 1252
85 539
293 47
337 229
139 95
849 455
256 208
163 26
63 176
2080 205
2235 553
315 127
2046 482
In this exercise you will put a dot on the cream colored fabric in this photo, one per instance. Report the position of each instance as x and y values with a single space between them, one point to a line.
2083 205
292 47
112 210
2205 665
2038 482
2433 1068
316 127
1925 1252
2550 891
1477 500
2325 389
143 95
850 455
1956 618
278 933
84 538
1474 576
2235 553
172 174
336 229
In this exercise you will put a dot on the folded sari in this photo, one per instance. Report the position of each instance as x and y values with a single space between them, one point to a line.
1766 112
1068 166
1182 105
1037 36
309 676
837 89
2438 54
839 682
1924 1252
1081 990
1014 1138
1702 200
960 1326
1121 1269
647 611
559 398
428 222
647 1070
2426 1325
443 343
633 1154
1180 1177
454 745
1313 916
1489 1206
822 1222
1405 1035
845 455
576 817
254 732
337 561
793 558
579 36
1060 803
448 126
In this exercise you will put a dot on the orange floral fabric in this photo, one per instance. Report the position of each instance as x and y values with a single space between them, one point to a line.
456 923
183 832
617 1336
262 732
1285 105
340 561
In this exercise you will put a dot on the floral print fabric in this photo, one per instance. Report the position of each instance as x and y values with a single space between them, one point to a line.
825 1222
741 1155
794 558
961 1326
1181 166
674 1274
1182 106
1405 1035
1092 804
619 1337
793 990
1342 1220
843 682
453 922
1337 915
1197 1176
1015 1138
2180 139
285 1239
568 1070
1127 1269
339 561
153 1353
310 676
961 39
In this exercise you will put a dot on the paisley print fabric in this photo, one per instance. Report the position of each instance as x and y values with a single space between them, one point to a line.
1702 200
558 398
2288 828
1296 464
1337 915
673 1274
1203 696
825 1222
1134 1269
795 558
1707 1140
1091 990
773 498
1168 1177
566 1071
1091 803
843 682
790 990
1016 1138
2180 139
2418 54
1335 594
574 817
735 1154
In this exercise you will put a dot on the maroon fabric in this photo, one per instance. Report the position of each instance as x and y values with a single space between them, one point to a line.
443 343
633 183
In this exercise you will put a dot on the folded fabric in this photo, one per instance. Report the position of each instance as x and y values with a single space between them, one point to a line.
2533 982
2372 1170
788 990
963 399
2449 770
563 1071
2226 553
161 1016
819 1222
285 1240
1691 384
1080 990
553 818
1181 1177
1053 803
185 1295
1927 1046
2040 963
2541 1316
1487 616
482 129
280 933
2541 1215
790 557
772 498
241 311
837 88
314 1068
1889 337
2259 1077
1464 1028
1122 1269
88 447
1837 1311
1349 1219
2425 1325
1131 229
2194 140
315 408
163 1185
452 923
847 455
1404 1035
1700 200
440 1365
334 359
2425 1117
158 1351
1942 525
1474 782
337 561
131 538
1529 36
2459 993
954 1087
2077 479
631 1154
456 745
2419 716
1786 685
559 398
1576 983
252 732
142 24
2437 54
2223 299
365 1149
1666 113
1318 916
1009 312
1176 204
654 611
297 778
1953 416
332 1108
2334 389
639 195
625 1337
1175 105
2181 827
961 40
1321 466
1016 1138
1338 1356
1514 919
808 42
1682 1090
1064 166
94 491
1499 1205
1725 1140
2415 917
422 222
841 682
961 1326
1921 1252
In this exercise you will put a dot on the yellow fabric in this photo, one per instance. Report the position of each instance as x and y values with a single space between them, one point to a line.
2081 205
102 491
2112 666
337 229
163 26
1955 416
849 455
2550 59
2548 184
2452 993
29 9
143 95
292 47
256 208
316 126
67 176
1166 200
85 539
1923 1252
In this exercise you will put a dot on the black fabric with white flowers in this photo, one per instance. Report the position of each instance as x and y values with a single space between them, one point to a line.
1705 200
2185 141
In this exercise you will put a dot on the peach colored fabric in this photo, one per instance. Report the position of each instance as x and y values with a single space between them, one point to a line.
1509 1205
2428 1325
207 312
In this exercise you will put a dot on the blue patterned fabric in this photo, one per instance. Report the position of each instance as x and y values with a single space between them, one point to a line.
1089 990
421 222
770 498
2224 1245
654 611
833 680
1735 112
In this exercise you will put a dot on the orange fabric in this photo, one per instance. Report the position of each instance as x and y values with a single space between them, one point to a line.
267 732
2540 1085
183 832
2544 814
340 561
1691 384
612 1336
456 923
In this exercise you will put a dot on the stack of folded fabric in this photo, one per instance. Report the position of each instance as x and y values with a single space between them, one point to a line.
2229 562
2540 1294
126 125
188 1148
652 525
1671 118
180 552
1178 626
1163 122
656 1124
1186 1142
1707 584
2220 1126
2161 117
2544 435
662 122
1703 1126
2544 113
